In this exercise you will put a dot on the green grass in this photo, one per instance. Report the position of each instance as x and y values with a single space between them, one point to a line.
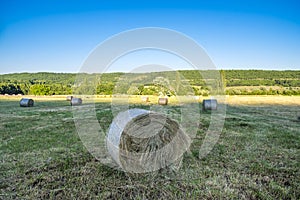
257 156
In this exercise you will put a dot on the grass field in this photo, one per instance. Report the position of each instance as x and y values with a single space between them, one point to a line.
257 155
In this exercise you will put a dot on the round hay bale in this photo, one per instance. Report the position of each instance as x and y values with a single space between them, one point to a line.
24 102
76 101
145 99
140 141
69 98
196 98
210 104
163 101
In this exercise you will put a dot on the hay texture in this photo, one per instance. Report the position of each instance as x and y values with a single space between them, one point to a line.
163 101
24 102
76 101
140 141
210 104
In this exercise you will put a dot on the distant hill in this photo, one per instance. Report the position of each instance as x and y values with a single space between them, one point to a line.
236 82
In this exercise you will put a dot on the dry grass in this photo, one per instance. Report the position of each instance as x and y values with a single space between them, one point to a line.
136 99
256 157
263 100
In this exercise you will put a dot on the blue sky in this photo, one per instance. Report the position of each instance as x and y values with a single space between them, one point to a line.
57 36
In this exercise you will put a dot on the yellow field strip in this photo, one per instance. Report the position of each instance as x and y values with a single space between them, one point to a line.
231 100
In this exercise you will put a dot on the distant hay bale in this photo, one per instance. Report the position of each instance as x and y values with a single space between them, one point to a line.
196 98
69 98
145 98
141 141
76 101
210 104
163 101
24 102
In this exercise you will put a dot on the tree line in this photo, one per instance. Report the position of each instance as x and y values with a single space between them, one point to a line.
154 83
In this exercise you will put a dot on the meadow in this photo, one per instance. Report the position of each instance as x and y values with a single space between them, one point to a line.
256 157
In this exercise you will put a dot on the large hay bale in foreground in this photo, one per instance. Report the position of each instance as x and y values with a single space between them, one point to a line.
141 141
76 101
163 101
24 102
210 104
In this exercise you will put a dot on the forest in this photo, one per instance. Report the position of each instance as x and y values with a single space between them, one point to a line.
234 82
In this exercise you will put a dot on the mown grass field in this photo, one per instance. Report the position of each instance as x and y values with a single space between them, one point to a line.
256 157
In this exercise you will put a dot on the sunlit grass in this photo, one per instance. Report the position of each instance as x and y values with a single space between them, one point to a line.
257 155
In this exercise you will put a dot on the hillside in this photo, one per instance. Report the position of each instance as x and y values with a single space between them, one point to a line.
251 82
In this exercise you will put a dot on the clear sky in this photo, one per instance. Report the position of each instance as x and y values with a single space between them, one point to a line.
58 35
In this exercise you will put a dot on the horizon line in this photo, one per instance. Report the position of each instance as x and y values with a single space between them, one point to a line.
64 72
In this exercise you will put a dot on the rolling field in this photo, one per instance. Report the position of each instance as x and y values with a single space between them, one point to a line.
256 156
